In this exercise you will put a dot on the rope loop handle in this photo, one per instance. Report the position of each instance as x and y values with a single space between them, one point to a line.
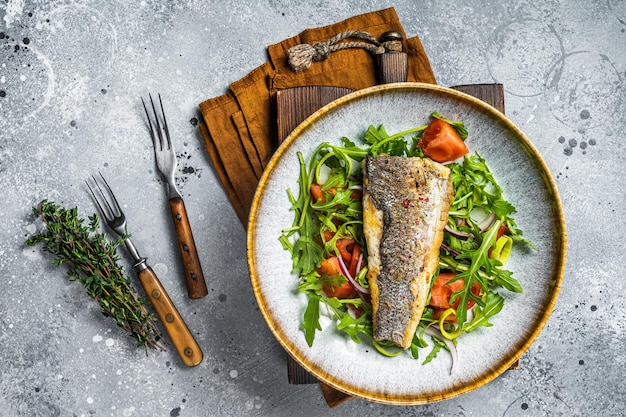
302 56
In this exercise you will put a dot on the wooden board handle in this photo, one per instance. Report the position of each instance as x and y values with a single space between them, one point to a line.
194 278
393 65
174 325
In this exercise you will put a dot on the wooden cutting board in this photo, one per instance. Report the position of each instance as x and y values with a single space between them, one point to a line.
296 104
293 105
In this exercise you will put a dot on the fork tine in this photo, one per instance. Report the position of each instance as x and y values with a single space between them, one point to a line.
112 206
152 135
156 119
117 211
96 199
167 131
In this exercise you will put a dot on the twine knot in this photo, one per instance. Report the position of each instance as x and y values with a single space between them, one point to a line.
302 56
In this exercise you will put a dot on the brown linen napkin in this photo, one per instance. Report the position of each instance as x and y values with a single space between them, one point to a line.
239 127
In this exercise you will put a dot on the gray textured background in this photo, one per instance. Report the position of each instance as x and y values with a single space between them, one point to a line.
71 73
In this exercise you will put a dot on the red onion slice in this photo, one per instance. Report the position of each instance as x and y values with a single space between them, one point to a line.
450 250
486 224
456 233
351 280
359 262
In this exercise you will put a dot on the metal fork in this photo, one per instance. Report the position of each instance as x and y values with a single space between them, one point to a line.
179 333
166 165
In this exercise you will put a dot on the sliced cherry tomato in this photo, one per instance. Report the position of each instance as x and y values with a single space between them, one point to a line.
356 195
475 290
440 296
457 285
345 245
437 312
328 235
330 266
345 248
317 193
356 254
442 291
441 142
344 291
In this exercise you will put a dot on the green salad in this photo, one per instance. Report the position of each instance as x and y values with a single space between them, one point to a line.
329 251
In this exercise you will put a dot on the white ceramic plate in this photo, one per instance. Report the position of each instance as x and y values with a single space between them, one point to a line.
357 369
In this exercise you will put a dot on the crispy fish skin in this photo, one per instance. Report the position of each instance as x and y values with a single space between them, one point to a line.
405 208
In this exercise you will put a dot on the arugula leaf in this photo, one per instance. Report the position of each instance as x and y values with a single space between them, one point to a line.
334 280
311 321
355 327
375 135
310 283
476 187
504 278
305 252
351 150
415 151
493 304
498 277
438 344
479 259
286 243
395 145
341 198
417 343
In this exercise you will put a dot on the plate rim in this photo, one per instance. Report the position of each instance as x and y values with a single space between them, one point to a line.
557 274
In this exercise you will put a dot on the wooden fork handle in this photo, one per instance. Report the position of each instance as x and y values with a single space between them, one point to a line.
174 325
194 278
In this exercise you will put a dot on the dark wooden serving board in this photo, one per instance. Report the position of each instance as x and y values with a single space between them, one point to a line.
294 105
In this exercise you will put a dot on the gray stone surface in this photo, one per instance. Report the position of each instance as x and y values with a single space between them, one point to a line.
71 73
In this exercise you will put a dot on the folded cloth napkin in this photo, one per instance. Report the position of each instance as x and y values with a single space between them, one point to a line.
239 127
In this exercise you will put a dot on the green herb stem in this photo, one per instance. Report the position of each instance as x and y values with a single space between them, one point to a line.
94 263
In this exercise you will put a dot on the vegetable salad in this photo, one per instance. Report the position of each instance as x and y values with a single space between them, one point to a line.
329 252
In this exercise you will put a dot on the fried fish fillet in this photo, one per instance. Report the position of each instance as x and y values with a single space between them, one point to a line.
405 208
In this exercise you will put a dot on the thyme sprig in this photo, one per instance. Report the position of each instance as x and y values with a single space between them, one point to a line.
93 262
